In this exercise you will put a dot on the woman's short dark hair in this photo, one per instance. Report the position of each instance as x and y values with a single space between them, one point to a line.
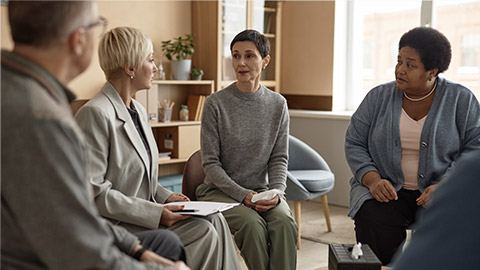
260 41
434 48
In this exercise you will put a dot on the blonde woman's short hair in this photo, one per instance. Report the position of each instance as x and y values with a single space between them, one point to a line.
123 47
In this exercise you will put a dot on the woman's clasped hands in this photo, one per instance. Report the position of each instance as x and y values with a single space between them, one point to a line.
262 205
383 191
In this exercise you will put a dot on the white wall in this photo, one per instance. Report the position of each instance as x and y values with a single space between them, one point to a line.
325 132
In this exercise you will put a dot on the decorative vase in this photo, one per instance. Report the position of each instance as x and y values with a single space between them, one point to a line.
181 69
183 113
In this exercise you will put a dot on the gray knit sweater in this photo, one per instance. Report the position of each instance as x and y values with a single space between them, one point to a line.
244 141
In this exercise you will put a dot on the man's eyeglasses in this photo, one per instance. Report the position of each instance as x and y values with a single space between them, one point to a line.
101 22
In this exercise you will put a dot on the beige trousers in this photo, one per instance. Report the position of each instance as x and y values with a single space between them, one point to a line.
208 243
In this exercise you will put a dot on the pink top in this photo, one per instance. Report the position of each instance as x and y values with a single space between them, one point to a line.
410 131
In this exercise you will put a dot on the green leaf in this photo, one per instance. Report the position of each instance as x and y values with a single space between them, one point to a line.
180 47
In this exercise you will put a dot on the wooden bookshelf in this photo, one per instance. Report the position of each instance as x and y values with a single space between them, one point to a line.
215 23
184 136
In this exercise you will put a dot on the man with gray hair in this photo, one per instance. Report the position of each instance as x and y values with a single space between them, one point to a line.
48 219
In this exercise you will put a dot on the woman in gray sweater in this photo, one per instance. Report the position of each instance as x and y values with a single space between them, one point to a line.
405 138
244 143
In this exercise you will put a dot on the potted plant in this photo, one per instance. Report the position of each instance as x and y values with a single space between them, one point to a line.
196 74
177 51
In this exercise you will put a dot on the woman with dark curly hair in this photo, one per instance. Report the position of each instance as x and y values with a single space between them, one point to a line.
405 138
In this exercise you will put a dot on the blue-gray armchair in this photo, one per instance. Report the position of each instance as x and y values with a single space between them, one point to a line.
308 176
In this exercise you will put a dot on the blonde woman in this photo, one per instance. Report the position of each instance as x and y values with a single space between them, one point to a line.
123 156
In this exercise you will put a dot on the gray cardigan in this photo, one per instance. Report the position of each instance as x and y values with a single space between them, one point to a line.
372 142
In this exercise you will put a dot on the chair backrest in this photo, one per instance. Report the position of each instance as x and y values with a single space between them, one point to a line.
193 175
303 157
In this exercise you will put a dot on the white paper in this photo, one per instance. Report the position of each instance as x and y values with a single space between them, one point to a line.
204 208
267 195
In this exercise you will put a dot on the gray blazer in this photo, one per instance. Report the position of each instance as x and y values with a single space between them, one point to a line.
48 219
125 186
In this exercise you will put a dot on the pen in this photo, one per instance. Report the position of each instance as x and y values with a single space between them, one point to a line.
185 211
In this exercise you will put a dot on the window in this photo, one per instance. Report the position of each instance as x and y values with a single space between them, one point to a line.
375 25
371 30
459 21
470 46
367 55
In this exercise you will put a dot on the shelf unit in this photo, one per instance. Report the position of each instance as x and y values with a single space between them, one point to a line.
176 91
215 24
187 133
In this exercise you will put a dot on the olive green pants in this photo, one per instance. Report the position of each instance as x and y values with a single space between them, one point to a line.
266 240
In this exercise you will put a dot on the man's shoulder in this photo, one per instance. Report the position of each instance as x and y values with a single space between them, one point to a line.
32 112
22 94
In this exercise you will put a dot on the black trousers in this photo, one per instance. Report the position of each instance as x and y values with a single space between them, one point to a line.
383 225
163 242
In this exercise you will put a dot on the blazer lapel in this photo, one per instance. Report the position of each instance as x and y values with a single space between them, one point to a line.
151 142
128 126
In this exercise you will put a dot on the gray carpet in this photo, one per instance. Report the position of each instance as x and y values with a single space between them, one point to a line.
314 227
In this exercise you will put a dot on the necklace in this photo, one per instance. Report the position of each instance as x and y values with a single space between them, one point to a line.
422 98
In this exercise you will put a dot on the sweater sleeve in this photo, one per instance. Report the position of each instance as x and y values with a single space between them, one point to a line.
277 165
123 239
210 144
356 140
469 124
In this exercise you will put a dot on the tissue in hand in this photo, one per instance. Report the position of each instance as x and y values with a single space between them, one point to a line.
357 251
266 195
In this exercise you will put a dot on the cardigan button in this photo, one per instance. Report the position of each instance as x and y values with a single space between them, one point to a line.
421 176
424 144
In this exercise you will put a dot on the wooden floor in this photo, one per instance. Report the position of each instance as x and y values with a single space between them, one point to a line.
312 255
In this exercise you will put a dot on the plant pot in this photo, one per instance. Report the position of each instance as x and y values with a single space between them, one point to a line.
196 77
181 69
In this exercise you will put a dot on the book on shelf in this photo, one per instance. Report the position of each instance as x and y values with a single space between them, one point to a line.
200 111
164 155
267 28
195 107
